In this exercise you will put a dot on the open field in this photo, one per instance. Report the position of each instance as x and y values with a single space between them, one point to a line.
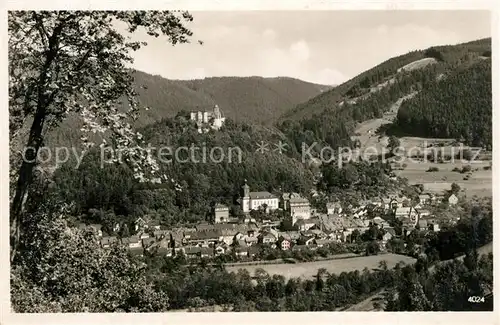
310 269
283 261
479 183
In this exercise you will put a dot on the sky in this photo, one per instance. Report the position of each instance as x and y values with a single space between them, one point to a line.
325 47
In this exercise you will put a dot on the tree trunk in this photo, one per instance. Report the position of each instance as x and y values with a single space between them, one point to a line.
25 178
35 141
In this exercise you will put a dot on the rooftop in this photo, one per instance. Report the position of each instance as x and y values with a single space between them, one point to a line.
403 210
130 240
203 235
262 195
221 206
108 240
298 200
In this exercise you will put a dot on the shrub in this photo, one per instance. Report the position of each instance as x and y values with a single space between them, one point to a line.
466 169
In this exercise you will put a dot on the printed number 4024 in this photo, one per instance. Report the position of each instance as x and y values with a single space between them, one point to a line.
476 299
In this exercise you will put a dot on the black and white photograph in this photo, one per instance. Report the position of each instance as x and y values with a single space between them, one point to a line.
198 161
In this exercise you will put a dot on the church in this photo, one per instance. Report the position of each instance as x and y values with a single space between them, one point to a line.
255 200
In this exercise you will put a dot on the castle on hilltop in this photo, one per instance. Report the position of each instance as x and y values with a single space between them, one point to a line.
208 120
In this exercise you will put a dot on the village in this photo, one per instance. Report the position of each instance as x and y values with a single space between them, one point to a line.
302 228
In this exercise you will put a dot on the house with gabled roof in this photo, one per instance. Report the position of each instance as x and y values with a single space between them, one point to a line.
132 241
195 251
335 236
267 238
452 199
306 240
159 234
251 240
283 244
107 241
139 224
333 208
390 230
153 225
425 199
406 212
203 238
134 245
146 242
379 222
162 247
306 224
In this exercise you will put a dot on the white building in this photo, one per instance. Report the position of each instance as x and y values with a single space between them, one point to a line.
299 208
452 199
221 213
406 212
255 200
207 120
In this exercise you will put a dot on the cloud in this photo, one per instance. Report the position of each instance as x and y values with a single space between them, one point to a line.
300 50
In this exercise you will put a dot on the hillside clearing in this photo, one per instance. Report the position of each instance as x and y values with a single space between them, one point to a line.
419 64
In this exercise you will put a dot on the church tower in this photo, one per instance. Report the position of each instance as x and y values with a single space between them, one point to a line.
245 202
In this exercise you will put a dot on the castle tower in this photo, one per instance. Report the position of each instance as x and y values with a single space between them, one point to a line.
245 202
217 114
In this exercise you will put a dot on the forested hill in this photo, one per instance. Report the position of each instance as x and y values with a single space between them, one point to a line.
254 100
331 117
243 99
457 107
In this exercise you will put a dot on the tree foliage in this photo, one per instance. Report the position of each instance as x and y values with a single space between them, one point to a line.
76 62
458 107
64 269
